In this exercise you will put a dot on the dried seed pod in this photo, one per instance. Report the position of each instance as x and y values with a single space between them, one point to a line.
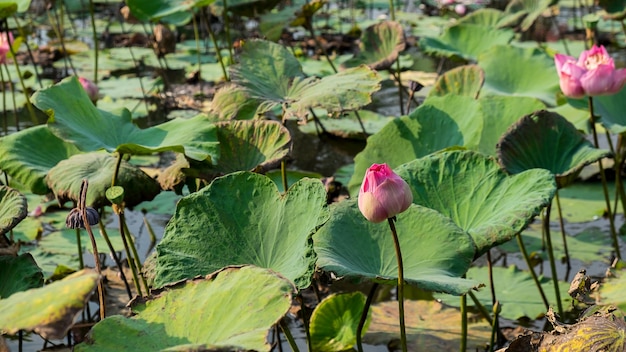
74 219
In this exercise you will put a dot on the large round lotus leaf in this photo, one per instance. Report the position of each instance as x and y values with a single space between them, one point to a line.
529 9
528 72
463 80
242 219
251 145
486 16
439 123
50 310
467 41
29 154
379 46
74 118
548 141
515 290
270 74
171 11
66 178
18 274
472 190
610 108
436 252
335 321
232 307
13 208
429 327
499 113
232 103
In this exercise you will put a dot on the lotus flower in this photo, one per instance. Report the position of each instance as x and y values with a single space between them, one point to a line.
91 89
592 74
383 194
6 38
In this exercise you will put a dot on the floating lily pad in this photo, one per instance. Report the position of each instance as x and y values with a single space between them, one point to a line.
200 314
379 46
547 140
335 320
347 125
429 327
65 180
515 290
478 195
18 274
528 72
435 251
242 219
29 154
463 80
49 311
75 119
253 145
582 202
13 208
466 41
64 242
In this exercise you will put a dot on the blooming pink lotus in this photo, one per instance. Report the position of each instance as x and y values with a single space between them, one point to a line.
383 194
90 87
6 38
592 74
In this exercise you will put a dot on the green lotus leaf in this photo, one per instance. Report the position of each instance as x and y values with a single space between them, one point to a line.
22 5
499 113
251 145
75 119
615 9
472 190
528 72
273 23
439 123
64 242
430 326
293 176
347 126
176 12
463 80
436 252
18 274
66 178
270 74
467 41
50 310
200 312
515 290
28 155
486 16
232 103
335 320
242 219
8 9
548 141
611 111
530 10
380 46
13 208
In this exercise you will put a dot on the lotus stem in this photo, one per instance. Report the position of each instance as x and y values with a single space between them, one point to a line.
15 117
494 327
29 105
555 279
57 30
81 263
218 54
483 311
135 255
30 52
95 42
366 308
227 29
305 322
129 258
491 282
604 184
563 233
397 75
309 26
287 332
196 34
522 248
392 10
5 118
104 234
463 344
619 164
116 171
283 175
150 230
396 243
94 246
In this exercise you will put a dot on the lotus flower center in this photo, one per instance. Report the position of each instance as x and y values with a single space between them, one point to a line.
595 60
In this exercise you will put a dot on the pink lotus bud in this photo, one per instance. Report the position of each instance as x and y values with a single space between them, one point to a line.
592 74
6 39
460 9
91 89
383 194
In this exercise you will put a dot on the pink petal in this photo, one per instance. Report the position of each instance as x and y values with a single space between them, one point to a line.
560 59
371 208
599 81
619 79
569 80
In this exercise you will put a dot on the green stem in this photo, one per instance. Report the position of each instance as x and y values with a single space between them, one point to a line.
81 263
116 171
29 105
392 10
397 75
396 244
28 49
227 29
522 248
218 54
129 257
104 234
366 309
309 26
619 164
95 42
495 326
283 175
605 189
555 279
5 118
287 332
133 248
15 117
563 234
196 34
463 344
150 230
483 311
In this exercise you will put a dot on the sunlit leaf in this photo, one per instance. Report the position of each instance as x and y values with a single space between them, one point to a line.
379 46
467 41
335 320
463 80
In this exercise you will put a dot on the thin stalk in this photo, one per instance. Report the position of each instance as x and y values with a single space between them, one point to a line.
463 344
95 42
283 175
116 171
563 234
392 10
277 341
522 248
309 26
151 233
366 309
133 248
196 34
555 279
287 332
396 244
305 322
129 258
94 246
5 118
104 234
491 282
57 30
81 263
397 75
619 165
605 189
135 62
494 327
29 105
15 117
483 311
227 29
28 49
218 54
